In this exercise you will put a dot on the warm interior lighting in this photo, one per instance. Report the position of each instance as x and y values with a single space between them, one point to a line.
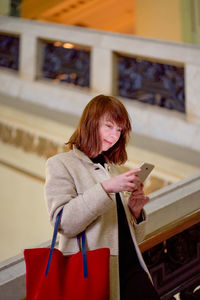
57 44
73 76
68 46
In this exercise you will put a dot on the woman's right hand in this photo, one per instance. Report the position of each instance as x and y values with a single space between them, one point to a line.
123 182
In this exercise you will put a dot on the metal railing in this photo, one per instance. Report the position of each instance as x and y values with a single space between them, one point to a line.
172 255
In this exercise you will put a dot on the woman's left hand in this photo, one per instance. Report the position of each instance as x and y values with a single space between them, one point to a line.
136 201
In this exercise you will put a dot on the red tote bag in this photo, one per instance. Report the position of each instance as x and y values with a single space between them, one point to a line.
50 275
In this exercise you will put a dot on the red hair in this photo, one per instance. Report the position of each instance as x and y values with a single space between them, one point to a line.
86 137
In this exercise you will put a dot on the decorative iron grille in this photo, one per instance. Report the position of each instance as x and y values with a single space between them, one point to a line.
9 52
66 62
151 82
175 265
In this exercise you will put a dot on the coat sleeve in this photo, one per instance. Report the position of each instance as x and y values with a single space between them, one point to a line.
79 211
139 228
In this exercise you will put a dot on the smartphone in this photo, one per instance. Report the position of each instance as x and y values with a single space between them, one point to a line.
146 169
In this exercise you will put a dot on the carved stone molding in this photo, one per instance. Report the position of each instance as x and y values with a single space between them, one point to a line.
29 141
44 146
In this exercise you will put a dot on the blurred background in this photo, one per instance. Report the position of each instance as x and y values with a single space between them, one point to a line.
54 57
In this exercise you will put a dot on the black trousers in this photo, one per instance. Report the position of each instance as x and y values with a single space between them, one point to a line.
134 281
137 286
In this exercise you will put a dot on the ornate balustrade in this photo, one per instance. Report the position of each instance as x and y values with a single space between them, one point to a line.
138 79
172 254
88 62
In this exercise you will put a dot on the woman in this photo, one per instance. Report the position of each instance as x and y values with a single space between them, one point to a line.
95 197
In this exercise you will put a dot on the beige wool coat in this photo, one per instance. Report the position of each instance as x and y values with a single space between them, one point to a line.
73 182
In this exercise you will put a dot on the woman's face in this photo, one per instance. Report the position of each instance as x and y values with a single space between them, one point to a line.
109 133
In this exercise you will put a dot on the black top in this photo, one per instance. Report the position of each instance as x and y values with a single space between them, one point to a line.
127 254
134 281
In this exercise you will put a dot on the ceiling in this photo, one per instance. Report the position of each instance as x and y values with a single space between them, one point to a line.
108 15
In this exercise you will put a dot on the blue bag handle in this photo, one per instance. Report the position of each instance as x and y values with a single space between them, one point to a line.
84 253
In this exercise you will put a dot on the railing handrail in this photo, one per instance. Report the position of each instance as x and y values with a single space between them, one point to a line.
170 230
97 38
173 202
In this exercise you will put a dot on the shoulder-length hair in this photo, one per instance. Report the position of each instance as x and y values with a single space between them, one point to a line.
86 136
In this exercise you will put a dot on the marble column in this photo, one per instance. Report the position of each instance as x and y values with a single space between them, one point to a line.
28 56
192 90
101 70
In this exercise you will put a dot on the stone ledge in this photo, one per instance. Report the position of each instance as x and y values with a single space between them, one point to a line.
13 277
173 202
